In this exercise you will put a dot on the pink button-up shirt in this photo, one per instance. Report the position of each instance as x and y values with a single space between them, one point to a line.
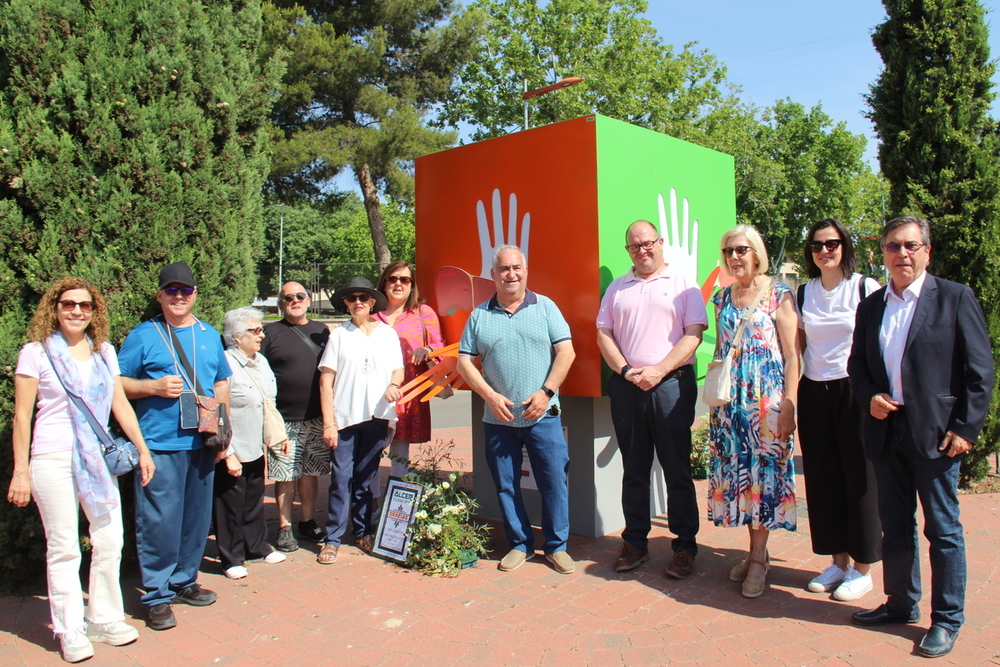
648 317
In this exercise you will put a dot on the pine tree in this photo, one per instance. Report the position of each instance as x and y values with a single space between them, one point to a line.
132 134
361 77
939 151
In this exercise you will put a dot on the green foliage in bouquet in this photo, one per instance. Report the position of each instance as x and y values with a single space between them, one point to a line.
445 534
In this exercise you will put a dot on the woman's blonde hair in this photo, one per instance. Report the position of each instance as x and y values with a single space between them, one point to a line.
755 242
44 322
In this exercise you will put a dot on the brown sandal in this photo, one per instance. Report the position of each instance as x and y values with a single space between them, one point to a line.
754 589
328 554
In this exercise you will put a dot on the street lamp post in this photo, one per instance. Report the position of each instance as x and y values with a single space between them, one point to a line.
281 248
566 82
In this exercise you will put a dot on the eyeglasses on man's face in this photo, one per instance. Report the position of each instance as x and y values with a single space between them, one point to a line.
297 296
911 246
174 290
636 247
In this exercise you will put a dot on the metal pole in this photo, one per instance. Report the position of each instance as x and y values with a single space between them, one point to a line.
281 249
526 105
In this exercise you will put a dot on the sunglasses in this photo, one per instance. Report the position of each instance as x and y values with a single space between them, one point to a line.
298 296
68 305
740 250
256 331
363 298
817 246
173 290
645 245
402 280
911 246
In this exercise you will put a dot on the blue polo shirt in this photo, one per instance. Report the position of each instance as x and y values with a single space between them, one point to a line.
516 349
145 356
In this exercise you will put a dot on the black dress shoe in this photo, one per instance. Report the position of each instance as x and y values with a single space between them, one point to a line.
161 617
196 596
937 642
882 615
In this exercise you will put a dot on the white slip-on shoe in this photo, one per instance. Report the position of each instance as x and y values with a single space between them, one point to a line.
828 579
236 572
854 586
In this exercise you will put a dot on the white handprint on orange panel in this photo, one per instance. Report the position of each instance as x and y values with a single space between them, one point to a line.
488 243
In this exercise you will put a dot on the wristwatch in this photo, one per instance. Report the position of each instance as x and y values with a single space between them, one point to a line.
548 392
625 369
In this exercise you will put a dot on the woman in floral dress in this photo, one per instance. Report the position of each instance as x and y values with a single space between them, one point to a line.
752 472
419 333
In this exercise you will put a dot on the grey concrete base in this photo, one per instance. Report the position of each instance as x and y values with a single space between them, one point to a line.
595 470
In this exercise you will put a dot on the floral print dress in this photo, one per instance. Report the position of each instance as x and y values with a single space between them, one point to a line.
752 472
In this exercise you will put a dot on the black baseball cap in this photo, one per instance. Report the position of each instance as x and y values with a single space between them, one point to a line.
178 272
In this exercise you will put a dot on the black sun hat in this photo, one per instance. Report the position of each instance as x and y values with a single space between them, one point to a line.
359 284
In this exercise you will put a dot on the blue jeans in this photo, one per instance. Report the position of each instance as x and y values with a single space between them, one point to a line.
172 516
904 474
549 456
354 464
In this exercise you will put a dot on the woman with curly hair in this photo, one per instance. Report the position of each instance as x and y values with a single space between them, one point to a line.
60 463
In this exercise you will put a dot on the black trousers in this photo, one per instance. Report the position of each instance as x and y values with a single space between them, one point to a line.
841 490
238 513
656 421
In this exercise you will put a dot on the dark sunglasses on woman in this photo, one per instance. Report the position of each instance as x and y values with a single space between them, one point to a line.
830 245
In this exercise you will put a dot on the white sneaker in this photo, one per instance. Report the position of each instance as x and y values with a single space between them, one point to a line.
828 579
236 572
116 633
274 557
854 586
75 646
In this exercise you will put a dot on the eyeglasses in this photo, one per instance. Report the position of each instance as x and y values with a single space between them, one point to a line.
402 280
740 250
68 305
255 331
817 246
363 298
645 245
911 246
173 290
298 296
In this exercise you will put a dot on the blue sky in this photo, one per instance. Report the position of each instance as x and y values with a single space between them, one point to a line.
812 52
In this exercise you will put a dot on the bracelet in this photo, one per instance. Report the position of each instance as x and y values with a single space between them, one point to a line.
393 384
329 426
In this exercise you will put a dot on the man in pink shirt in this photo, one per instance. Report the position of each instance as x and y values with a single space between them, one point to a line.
650 324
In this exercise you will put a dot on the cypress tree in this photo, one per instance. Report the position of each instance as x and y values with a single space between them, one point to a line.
939 151
132 134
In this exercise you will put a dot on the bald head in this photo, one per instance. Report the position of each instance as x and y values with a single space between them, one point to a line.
641 225
296 309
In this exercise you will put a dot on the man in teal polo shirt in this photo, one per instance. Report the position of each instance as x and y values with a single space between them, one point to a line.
525 347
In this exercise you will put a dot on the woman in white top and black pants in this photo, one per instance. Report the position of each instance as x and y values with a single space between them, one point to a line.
840 482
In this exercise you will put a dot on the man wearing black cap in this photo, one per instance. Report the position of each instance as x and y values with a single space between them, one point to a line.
173 511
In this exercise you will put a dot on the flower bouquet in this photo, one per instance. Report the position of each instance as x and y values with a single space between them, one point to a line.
445 537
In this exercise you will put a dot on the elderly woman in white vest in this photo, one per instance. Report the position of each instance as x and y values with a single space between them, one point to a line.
238 510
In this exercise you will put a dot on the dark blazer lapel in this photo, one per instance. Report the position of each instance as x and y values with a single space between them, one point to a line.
926 302
881 378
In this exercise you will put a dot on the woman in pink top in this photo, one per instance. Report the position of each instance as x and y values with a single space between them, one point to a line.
419 333
65 469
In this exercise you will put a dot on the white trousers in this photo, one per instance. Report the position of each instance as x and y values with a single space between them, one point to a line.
55 493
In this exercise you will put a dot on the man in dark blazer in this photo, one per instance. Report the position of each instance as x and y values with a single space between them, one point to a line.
922 370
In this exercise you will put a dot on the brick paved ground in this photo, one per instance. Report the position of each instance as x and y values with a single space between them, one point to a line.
363 611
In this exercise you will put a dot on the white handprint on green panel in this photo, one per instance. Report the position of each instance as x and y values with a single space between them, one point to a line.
680 247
